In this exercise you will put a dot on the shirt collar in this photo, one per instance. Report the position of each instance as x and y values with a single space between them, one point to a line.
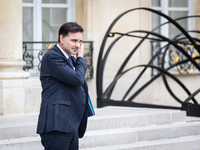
64 53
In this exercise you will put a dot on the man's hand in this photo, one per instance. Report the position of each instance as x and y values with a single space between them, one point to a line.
81 50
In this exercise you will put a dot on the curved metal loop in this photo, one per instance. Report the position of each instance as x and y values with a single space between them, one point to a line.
171 42
192 95
164 71
129 56
99 63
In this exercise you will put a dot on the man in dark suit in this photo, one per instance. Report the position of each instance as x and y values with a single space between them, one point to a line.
64 108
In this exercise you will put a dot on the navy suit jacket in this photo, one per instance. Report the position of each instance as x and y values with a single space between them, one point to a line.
64 104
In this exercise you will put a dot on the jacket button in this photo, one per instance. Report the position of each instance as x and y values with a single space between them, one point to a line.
83 105
83 91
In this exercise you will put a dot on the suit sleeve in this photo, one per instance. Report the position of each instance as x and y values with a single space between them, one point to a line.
61 70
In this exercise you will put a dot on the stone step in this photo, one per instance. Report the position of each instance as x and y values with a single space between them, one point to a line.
18 126
117 117
138 134
17 132
181 143
106 118
27 143
110 126
155 136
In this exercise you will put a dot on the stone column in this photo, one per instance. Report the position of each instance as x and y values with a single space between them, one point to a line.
12 91
11 63
197 20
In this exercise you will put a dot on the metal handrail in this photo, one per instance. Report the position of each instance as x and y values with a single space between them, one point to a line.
192 59
32 55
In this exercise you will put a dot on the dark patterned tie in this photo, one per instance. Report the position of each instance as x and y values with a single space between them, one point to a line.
70 61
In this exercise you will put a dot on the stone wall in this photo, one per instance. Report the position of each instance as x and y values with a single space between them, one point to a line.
96 17
19 95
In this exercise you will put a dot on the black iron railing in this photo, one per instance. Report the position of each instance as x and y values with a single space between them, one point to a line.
33 52
174 56
185 61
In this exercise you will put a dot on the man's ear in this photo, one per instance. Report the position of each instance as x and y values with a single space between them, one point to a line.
61 39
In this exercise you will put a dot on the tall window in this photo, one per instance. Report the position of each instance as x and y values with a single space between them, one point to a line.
175 9
42 18
41 22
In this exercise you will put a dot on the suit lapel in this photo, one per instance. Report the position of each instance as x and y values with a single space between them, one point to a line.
63 56
57 49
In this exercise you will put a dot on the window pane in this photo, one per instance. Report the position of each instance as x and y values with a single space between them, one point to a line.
52 19
155 22
173 31
178 3
155 3
54 1
27 1
27 24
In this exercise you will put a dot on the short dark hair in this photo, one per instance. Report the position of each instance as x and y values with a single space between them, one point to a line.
69 27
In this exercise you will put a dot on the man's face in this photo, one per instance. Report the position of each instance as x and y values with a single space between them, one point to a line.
71 43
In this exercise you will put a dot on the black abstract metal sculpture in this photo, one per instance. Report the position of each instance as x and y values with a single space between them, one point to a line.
190 104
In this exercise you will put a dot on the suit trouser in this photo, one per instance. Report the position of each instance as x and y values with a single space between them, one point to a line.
59 140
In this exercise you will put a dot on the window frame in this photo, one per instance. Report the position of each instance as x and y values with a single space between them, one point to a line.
164 30
164 8
37 6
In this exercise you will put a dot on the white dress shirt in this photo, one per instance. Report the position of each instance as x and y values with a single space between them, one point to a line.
64 53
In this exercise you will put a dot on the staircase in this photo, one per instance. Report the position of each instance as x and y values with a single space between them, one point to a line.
113 128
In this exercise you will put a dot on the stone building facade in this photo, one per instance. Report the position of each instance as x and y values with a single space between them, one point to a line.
20 94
